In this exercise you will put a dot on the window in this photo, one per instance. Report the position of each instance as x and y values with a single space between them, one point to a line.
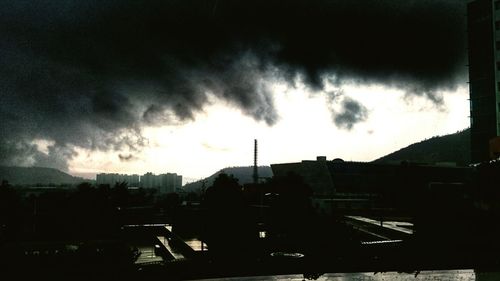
497 45
497 5
497 25
498 69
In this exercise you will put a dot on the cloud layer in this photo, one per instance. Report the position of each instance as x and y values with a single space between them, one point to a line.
91 74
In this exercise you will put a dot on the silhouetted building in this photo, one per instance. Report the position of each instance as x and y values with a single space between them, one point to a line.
314 173
169 183
148 180
342 184
133 180
484 75
113 178
165 183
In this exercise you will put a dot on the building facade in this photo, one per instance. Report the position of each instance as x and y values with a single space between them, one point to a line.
164 183
338 184
148 180
483 27
169 183
113 178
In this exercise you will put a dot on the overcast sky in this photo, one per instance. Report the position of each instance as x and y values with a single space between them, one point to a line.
185 86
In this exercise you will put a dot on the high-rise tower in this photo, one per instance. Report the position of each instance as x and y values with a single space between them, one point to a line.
483 26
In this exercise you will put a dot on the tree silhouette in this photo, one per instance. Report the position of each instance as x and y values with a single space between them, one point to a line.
120 194
291 210
227 230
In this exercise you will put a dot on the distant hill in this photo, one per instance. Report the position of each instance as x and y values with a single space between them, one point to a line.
36 175
448 148
243 174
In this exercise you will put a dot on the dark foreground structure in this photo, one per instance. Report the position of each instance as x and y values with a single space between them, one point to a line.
311 218
483 26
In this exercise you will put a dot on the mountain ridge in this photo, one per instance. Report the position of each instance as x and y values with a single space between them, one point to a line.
450 148
37 176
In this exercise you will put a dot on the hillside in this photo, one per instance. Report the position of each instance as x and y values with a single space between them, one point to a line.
36 175
243 174
452 148
448 148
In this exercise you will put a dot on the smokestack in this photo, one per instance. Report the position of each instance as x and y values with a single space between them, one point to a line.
255 170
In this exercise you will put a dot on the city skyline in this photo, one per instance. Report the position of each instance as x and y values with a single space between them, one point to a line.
164 183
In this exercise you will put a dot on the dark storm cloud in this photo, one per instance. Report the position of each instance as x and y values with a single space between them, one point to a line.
346 111
18 152
126 157
56 157
92 73
352 112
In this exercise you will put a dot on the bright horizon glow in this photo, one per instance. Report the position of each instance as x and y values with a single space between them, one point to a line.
222 136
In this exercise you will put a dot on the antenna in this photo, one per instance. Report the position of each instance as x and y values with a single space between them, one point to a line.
255 169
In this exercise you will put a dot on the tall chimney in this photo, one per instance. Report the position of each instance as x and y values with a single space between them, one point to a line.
255 168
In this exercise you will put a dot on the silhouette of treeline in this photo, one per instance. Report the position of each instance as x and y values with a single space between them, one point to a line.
53 230
56 232
38 176
459 211
87 212
243 174
449 148
232 216
459 220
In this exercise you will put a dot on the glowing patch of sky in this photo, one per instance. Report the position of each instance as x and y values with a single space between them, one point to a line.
222 136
